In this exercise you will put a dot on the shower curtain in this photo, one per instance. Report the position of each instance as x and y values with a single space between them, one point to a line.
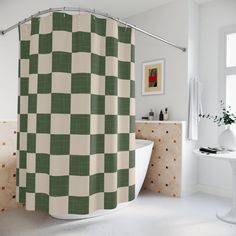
76 114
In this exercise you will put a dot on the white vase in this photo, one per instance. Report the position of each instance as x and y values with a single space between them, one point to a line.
227 139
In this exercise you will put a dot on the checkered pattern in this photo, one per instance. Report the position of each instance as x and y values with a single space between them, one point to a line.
76 114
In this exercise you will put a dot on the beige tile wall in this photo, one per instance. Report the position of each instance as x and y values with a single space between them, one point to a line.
164 172
7 166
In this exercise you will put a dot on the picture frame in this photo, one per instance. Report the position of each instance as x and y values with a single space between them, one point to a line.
153 77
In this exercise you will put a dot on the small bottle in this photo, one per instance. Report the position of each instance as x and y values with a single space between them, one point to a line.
166 115
161 116
151 115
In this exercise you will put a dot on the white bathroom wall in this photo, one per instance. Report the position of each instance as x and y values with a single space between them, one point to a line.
193 39
171 22
12 11
214 176
177 21
190 162
174 21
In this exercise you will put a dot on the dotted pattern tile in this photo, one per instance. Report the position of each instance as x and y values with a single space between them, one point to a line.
7 166
164 171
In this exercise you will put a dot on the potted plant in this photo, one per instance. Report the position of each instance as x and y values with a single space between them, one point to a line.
227 138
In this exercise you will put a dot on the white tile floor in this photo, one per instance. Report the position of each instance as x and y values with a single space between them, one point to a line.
150 215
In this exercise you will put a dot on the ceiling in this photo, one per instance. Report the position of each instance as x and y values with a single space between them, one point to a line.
117 8
122 8
202 1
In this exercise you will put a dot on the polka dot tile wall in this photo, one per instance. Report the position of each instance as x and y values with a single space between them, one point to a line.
7 166
164 172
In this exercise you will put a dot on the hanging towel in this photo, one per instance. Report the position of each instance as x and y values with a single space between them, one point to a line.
195 107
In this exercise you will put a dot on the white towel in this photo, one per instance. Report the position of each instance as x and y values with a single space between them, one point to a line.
195 107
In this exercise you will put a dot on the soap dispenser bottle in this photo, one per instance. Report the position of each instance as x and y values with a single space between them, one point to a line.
161 116
166 115
151 115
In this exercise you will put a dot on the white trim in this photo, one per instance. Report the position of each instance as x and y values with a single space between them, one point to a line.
189 191
218 191
230 70
223 70
161 121
158 61
209 189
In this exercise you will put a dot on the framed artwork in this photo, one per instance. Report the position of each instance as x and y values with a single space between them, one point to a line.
153 77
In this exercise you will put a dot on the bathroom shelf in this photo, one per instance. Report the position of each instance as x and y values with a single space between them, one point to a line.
160 121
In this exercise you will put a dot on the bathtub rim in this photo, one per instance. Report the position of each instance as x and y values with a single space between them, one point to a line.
103 212
142 143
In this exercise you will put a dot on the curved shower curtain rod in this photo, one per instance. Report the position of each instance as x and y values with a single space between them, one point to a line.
3 32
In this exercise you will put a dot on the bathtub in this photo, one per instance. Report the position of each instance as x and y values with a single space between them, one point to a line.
143 150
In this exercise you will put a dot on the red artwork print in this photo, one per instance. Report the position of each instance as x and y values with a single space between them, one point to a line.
152 77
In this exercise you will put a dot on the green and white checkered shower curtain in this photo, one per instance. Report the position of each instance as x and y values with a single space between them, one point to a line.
76 114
